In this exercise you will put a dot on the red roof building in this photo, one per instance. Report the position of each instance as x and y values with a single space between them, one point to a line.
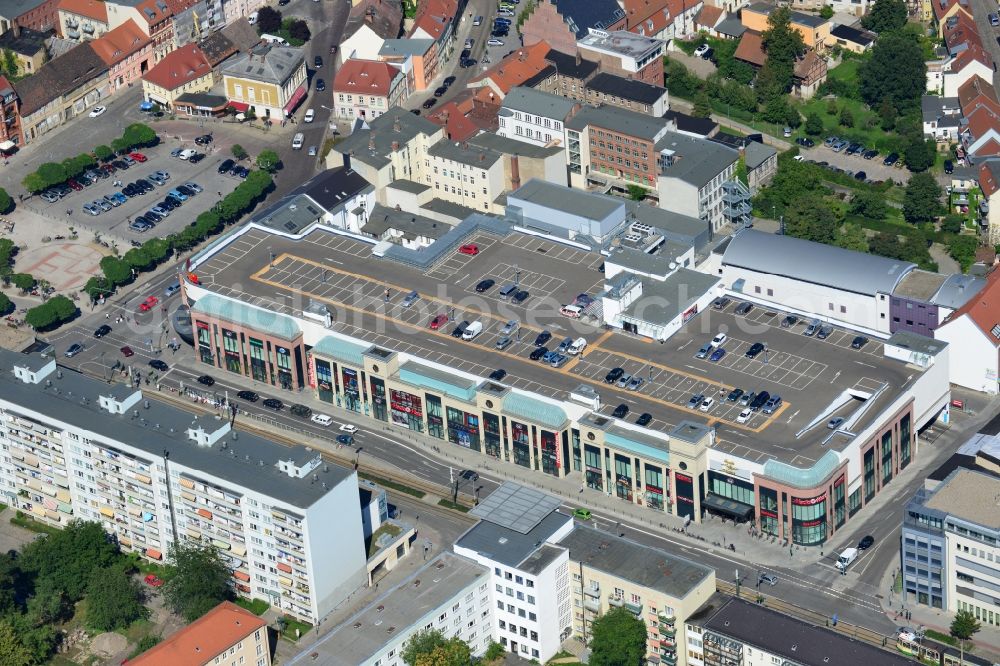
184 70
227 631
515 69
367 89
128 53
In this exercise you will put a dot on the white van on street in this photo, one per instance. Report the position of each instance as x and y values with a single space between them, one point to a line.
297 141
472 330
578 346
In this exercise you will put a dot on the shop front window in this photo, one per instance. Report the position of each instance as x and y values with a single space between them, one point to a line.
654 487
577 456
869 465
839 502
886 457
731 488
491 430
205 343
854 502
231 351
809 520
435 416
463 428
521 444
594 471
380 409
406 410
904 441
258 362
351 389
623 477
550 453
768 511
283 358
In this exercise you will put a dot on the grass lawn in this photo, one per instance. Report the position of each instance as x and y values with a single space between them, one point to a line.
871 138
448 504
846 71
136 630
386 528
291 624
392 484
255 606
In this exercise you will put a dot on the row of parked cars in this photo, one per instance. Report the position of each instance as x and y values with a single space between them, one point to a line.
174 199
231 168
91 177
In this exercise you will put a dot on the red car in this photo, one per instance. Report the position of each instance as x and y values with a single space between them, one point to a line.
149 303
153 581
439 321
75 185
108 168
138 157
470 249
127 351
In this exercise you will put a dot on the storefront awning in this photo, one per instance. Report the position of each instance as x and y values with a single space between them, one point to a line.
7 145
240 106
727 507
295 100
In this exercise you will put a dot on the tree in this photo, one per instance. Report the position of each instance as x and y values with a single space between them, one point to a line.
6 305
196 580
846 117
120 146
811 218
97 287
10 66
103 152
114 600
618 638
852 237
268 20
680 79
885 16
51 313
494 651
922 199
702 105
777 109
6 203
12 652
139 134
420 643
964 627
69 557
896 71
299 30
814 124
637 192
831 107
887 115
34 182
158 249
52 173
23 281
782 44
116 270
952 224
869 204
826 12
963 250
455 652
268 160
919 153
239 152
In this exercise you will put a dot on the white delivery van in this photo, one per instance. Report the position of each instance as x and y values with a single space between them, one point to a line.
571 311
578 346
846 558
274 39
252 19
297 141
310 115
472 330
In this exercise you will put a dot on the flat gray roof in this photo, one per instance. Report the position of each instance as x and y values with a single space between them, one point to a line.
816 263
795 640
248 461
919 285
401 609
516 507
374 145
566 199
649 567
510 547
410 186
696 160
538 103
618 120
464 152
507 146
969 495
672 296
410 225
916 342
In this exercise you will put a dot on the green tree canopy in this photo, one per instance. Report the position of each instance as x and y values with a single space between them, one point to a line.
23 281
826 12
963 250
810 217
846 117
618 638
139 134
922 199
34 182
421 643
852 237
96 287
158 249
196 580
702 105
964 627
6 305
637 192
885 16
12 652
782 44
116 270
895 71
681 81
138 259
103 152
953 223
239 152
919 153
114 600
869 204
268 160
52 173
6 203
68 557
299 30
814 124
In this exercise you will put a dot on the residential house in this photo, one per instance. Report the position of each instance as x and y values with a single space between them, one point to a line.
467 174
39 15
270 80
708 19
697 177
392 147
612 146
82 19
815 31
967 59
561 23
989 184
625 54
629 94
730 27
942 117
699 128
857 8
664 19
465 115
435 20
973 334
152 16
66 87
761 163
534 117
565 75
370 23
416 58
850 38
516 69
238 37
810 69
227 632
10 119
522 162
979 133
367 88
28 46
945 9
398 225
128 53
184 70
194 20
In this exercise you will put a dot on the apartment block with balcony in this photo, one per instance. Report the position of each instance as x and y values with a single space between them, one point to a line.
82 19
287 525
698 178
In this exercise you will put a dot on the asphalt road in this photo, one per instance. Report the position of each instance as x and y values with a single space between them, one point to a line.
981 10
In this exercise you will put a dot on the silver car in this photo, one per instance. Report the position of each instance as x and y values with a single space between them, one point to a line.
91 209
504 342
559 360
509 327
623 380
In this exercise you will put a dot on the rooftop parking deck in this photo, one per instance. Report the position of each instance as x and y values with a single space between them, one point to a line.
811 375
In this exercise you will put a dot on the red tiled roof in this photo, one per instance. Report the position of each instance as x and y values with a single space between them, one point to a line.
179 67
961 31
970 55
92 9
433 16
982 119
983 309
367 77
518 67
975 88
466 115
120 43
751 48
661 12
987 181
150 11
941 7
709 16
219 629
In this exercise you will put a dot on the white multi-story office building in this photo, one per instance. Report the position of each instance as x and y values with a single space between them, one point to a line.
288 524
534 116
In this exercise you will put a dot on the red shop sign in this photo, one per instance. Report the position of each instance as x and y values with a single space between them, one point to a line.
839 481
682 477
809 501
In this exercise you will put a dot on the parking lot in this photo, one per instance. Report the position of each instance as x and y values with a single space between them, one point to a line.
116 221
808 373
874 168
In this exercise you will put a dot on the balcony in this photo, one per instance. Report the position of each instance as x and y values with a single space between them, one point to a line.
591 592
635 609
668 630
88 28
592 605
668 657
666 619
618 602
